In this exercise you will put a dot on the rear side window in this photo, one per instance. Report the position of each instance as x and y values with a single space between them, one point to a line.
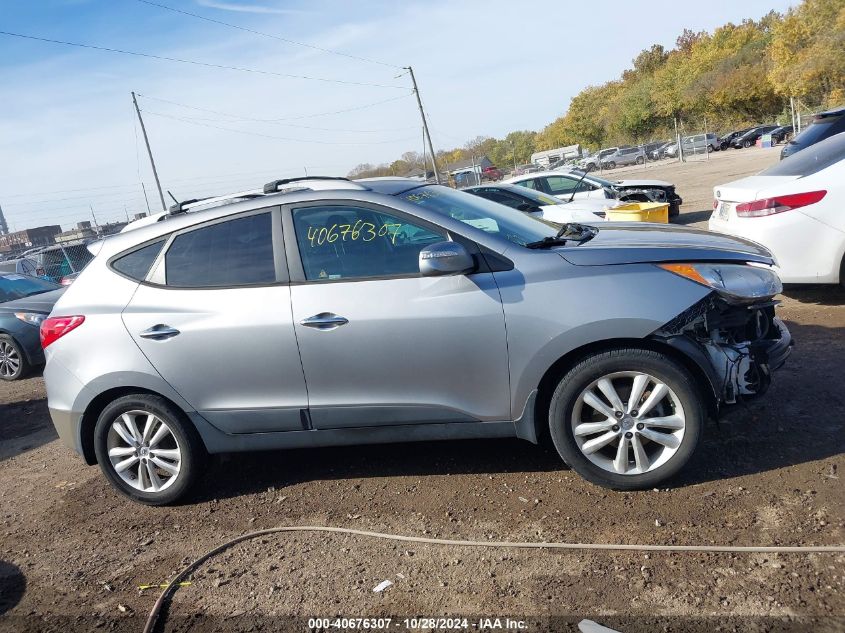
232 253
810 160
137 263
819 129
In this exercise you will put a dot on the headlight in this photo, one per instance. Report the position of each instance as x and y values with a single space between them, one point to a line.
738 282
33 318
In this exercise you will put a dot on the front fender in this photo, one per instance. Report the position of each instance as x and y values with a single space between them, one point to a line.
553 309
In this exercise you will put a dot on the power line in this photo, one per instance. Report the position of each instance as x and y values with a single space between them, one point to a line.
198 63
278 138
262 34
236 118
293 118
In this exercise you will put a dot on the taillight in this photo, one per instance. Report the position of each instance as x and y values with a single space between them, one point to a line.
54 328
778 204
65 281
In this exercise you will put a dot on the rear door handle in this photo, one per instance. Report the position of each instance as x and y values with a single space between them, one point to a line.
160 332
324 321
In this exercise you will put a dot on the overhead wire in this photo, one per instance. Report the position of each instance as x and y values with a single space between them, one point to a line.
294 118
270 136
237 118
198 63
269 35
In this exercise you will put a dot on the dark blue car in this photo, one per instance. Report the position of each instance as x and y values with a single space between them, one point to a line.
24 303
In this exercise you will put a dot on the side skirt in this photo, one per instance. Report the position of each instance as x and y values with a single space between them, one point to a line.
218 442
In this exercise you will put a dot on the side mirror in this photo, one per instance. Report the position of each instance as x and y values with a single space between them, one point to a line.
445 258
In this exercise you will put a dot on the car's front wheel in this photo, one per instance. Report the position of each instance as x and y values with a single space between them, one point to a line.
147 449
611 165
13 363
627 418
640 160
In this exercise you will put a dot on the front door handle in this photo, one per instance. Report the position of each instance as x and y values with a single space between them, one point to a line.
324 321
160 332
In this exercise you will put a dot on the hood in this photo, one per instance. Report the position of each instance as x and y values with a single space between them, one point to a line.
638 243
643 183
42 302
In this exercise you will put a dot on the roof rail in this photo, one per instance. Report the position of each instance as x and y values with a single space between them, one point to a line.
182 207
277 185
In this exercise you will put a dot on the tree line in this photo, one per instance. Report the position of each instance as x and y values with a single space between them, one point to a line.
736 76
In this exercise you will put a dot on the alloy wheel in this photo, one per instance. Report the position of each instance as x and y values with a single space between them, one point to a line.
10 360
143 451
628 423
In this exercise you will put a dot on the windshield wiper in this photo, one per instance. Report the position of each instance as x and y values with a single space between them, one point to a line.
569 232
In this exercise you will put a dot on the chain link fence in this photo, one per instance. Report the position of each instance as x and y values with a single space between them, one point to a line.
59 263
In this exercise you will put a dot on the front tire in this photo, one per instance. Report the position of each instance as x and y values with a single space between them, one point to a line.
640 160
611 165
13 362
147 449
626 419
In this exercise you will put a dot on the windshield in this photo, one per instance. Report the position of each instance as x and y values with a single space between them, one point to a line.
19 286
535 196
594 179
481 213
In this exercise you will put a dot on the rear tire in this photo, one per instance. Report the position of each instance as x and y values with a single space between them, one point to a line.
13 362
611 165
147 449
640 160
746 144
662 437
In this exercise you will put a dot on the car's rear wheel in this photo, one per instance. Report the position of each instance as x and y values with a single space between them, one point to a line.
147 449
611 165
640 160
13 362
627 418
746 143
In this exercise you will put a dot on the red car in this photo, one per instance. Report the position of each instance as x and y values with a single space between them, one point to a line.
491 173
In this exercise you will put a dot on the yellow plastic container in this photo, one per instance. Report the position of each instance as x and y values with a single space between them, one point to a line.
640 212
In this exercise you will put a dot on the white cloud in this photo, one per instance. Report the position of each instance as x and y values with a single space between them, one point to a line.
247 8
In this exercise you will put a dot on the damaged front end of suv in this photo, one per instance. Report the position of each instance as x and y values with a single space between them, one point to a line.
732 333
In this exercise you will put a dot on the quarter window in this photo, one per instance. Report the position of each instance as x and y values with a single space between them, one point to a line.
345 242
137 263
233 253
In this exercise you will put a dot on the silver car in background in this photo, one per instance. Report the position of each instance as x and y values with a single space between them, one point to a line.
411 312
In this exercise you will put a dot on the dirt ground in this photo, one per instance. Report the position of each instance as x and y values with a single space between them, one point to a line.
73 552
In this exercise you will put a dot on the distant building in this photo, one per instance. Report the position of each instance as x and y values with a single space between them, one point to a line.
20 241
83 231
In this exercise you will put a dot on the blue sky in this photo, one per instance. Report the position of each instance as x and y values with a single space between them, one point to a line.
68 134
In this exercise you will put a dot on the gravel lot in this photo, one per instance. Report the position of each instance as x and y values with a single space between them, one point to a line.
72 552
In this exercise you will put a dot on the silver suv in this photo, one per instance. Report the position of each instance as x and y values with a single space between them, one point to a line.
332 312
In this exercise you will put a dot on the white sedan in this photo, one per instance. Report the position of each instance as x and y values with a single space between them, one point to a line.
544 206
561 184
795 209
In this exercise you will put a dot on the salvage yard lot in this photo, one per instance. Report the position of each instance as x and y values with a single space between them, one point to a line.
73 552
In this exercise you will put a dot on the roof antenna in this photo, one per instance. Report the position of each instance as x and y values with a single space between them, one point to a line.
172 196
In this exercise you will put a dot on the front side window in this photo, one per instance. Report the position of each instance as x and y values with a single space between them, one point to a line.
349 242
232 253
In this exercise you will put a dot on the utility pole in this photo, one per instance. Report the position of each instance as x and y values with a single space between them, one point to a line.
4 228
425 125
150 152
146 199
96 225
